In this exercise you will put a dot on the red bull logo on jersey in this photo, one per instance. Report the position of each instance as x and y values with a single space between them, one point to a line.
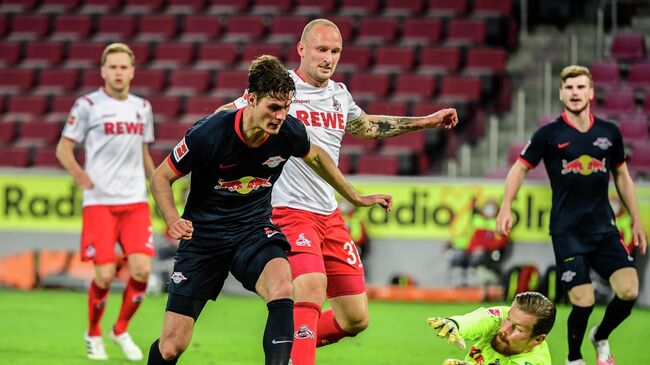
273 161
321 119
583 165
244 185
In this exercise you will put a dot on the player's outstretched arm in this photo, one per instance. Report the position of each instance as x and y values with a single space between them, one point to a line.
161 188
514 180
448 329
228 106
625 188
385 126
65 155
325 167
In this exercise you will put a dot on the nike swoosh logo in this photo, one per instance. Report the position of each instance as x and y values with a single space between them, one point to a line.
562 145
269 235
224 166
275 342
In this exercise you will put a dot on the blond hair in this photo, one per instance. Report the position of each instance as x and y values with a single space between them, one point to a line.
575 71
311 24
117 48
538 305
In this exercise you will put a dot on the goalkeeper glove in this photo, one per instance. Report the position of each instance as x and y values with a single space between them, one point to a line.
456 362
447 328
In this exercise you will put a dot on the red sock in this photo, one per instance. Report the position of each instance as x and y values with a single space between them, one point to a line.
96 304
329 330
305 318
131 299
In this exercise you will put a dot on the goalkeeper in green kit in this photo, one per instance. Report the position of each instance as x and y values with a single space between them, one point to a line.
504 335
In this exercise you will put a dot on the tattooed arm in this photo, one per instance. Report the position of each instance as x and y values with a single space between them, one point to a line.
385 126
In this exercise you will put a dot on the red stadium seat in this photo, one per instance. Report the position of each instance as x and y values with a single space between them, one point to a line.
366 86
421 31
447 8
57 81
115 27
466 31
71 27
387 107
404 8
254 50
9 53
91 80
4 22
142 6
216 55
354 58
501 8
58 6
200 106
414 87
270 7
286 29
189 82
11 156
29 26
394 59
141 52
426 108
185 6
221 7
7 133
14 81
147 81
173 55
17 6
157 27
99 6
352 144
514 151
639 76
158 154
461 88
346 26
39 133
413 142
359 7
646 103
619 102
244 28
60 108
439 60
486 61
25 108
314 7
168 134
378 165
84 54
165 108
634 131
628 47
201 27
46 157
640 158
231 83
43 54
376 30
605 75
345 163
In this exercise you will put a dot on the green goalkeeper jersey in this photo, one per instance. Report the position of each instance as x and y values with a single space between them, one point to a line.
481 325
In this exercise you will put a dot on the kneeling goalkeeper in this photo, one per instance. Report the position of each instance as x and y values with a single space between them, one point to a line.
504 335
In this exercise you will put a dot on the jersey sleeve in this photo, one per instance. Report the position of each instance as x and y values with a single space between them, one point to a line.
534 149
298 137
148 123
241 101
78 121
618 149
481 322
187 152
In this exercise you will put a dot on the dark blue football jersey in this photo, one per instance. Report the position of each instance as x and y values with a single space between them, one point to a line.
231 182
578 165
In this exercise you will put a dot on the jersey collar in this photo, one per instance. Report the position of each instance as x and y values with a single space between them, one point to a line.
566 120
238 125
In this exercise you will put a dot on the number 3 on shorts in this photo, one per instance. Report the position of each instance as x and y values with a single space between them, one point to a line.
352 252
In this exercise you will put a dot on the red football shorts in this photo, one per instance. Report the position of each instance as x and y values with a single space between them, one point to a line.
104 225
321 243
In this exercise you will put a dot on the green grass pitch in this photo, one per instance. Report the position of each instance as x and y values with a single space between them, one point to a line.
46 327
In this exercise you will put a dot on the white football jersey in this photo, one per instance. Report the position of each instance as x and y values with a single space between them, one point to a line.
113 133
324 111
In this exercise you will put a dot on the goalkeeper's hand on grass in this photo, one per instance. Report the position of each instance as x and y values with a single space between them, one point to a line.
447 329
456 362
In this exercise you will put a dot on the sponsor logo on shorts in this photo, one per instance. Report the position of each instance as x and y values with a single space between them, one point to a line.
270 232
568 276
274 161
177 277
180 150
303 241
304 332
90 251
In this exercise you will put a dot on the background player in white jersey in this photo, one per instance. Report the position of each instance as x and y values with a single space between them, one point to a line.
324 260
114 127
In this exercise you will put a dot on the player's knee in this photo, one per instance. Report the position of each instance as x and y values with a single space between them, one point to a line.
356 323
104 279
280 289
141 273
628 293
310 288
170 349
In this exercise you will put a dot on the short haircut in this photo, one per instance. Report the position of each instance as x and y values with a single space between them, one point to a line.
311 24
117 48
267 76
539 306
575 71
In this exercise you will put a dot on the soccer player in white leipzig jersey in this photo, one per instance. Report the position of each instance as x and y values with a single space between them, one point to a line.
115 128
324 260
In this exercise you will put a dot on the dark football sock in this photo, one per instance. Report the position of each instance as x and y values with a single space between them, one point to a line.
616 312
278 335
155 357
576 326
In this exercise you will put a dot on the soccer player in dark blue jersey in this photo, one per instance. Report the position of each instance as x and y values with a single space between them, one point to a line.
579 152
235 158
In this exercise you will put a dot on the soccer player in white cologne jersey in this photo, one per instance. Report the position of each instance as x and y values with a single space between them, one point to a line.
115 128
